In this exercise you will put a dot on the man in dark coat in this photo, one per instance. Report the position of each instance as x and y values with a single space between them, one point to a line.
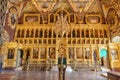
62 63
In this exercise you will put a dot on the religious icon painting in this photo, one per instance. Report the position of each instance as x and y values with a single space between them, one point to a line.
94 54
43 53
31 19
87 53
11 53
71 53
79 54
114 54
12 18
35 53
52 52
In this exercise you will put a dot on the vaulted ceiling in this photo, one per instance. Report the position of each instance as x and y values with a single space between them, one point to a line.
80 6
109 9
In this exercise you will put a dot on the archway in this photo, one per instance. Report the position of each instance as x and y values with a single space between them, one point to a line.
104 57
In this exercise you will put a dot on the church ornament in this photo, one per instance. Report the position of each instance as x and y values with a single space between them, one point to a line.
12 19
61 25
80 5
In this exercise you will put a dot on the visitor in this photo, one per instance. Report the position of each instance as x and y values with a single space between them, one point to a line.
1 66
1 62
62 64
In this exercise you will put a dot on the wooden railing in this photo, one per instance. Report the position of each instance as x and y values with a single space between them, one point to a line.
9 64
86 65
38 65
48 64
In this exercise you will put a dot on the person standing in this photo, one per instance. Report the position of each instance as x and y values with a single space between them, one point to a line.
62 64
1 62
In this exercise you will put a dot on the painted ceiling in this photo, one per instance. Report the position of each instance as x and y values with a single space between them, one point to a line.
109 9
80 6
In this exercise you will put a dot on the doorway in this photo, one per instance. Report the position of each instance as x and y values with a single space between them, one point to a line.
104 57
19 57
27 54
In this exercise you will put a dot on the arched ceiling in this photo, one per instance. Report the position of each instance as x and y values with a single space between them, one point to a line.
79 7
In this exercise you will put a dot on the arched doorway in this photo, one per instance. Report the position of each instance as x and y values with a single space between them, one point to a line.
104 57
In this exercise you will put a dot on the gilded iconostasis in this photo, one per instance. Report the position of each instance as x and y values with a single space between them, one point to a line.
16 9
83 29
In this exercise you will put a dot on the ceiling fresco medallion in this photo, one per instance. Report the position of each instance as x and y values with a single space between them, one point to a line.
44 5
12 18
81 5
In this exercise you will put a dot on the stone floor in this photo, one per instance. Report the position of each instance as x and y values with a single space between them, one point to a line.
50 75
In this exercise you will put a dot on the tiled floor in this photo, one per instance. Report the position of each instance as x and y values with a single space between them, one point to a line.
50 75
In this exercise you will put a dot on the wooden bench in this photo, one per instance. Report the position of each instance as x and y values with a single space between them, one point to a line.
113 75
